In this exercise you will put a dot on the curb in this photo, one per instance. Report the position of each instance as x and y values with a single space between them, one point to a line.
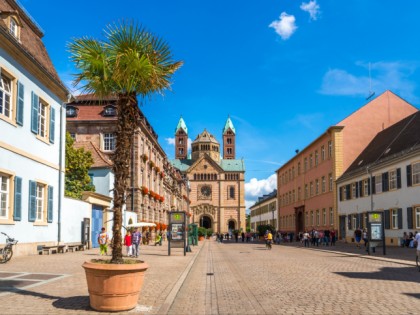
164 309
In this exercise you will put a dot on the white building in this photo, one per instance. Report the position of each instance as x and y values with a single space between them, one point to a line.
32 125
389 167
264 211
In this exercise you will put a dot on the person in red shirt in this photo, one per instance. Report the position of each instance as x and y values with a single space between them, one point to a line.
128 244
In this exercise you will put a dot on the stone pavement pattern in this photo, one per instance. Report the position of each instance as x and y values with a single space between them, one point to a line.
293 280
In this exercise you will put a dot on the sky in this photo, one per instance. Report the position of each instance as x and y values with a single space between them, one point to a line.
284 70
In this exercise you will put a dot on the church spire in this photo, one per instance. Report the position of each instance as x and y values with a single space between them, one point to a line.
181 140
229 125
229 135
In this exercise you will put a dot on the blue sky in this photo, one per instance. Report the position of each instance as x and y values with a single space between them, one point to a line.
284 70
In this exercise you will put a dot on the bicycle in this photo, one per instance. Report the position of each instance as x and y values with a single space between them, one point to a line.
268 244
6 252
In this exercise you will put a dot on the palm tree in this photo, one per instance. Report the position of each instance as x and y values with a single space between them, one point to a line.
129 63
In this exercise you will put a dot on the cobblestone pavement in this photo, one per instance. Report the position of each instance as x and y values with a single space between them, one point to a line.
242 278
69 295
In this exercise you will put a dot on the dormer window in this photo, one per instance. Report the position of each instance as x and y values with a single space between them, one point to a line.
71 111
13 27
110 111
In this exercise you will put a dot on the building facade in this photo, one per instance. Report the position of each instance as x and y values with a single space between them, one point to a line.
217 189
156 187
306 189
31 133
264 211
384 177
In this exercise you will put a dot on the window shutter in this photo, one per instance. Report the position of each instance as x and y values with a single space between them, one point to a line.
385 183
34 111
387 220
32 201
349 221
409 218
348 192
20 103
17 211
409 182
50 204
52 124
398 178
373 185
341 193
361 189
357 190
368 193
400 223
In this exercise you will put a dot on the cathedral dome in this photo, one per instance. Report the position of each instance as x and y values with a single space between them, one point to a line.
206 143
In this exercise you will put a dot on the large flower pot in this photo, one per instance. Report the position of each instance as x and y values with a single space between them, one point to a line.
114 287
201 238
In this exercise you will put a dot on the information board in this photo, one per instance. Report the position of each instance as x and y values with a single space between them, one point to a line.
177 237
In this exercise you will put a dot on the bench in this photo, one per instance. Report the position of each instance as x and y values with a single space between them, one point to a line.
50 249
75 246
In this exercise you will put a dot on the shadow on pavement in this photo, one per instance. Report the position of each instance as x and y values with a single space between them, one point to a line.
409 274
414 295
76 303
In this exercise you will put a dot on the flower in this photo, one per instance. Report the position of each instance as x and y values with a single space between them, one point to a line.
144 190
144 157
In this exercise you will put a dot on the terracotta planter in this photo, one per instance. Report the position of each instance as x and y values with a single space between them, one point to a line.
114 287
201 238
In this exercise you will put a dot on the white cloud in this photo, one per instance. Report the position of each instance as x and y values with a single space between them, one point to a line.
312 8
394 76
285 26
257 188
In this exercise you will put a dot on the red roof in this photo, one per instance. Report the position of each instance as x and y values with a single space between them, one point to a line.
100 159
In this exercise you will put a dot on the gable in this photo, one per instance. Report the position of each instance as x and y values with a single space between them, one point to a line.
205 164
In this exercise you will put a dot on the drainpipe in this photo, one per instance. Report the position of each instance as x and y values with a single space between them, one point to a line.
60 168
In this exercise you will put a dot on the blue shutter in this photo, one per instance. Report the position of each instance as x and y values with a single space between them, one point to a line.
34 111
400 219
387 219
385 182
409 218
50 204
368 192
361 189
398 178
32 201
20 103
373 185
17 207
52 124
409 182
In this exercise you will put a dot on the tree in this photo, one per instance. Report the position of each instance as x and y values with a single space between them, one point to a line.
130 62
78 163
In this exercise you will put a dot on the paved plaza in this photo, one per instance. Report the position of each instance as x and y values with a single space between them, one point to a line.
228 278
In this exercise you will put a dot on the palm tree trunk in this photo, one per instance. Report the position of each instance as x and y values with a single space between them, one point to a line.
126 126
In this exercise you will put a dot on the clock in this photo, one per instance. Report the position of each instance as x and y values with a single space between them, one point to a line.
206 191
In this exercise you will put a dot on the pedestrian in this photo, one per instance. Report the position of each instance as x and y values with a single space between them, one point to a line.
136 240
333 238
146 241
306 239
158 240
103 242
365 237
243 237
127 243
327 237
358 236
236 236
316 238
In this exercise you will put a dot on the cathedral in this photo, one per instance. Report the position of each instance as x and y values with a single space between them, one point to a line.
217 179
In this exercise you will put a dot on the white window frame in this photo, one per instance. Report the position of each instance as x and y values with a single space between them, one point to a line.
7 100
318 218
392 180
317 187
42 119
14 28
417 216
324 216
329 149
40 198
378 184
415 173
4 196
353 191
365 187
354 222
322 153
323 188
394 219
109 141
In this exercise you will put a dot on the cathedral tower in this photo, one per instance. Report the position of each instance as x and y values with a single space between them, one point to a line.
229 135
181 140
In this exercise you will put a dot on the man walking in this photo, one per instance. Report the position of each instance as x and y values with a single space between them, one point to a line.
136 239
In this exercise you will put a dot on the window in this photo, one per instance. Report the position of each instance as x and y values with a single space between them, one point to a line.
344 195
322 153
13 27
299 194
306 191
392 180
71 111
316 187
42 119
229 140
311 189
323 184
110 111
40 195
394 218
329 149
312 218
330 181
231 193
316 158
353 190
310 161
109 141
365 187
317 217
324 217
417 213
4 196
6 96
331 216
378 183
229 151
354 221
416 173
305 164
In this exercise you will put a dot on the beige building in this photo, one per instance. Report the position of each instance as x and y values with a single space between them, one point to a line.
264 211
217 184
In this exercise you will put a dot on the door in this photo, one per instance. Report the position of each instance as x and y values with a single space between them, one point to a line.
97 224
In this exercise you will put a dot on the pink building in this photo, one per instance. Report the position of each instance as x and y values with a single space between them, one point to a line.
307 195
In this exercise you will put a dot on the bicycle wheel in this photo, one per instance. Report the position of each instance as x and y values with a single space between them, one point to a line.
7 254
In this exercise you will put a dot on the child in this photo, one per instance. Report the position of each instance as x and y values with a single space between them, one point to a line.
127 243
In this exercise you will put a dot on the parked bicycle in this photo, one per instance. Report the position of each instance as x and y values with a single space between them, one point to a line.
6 252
